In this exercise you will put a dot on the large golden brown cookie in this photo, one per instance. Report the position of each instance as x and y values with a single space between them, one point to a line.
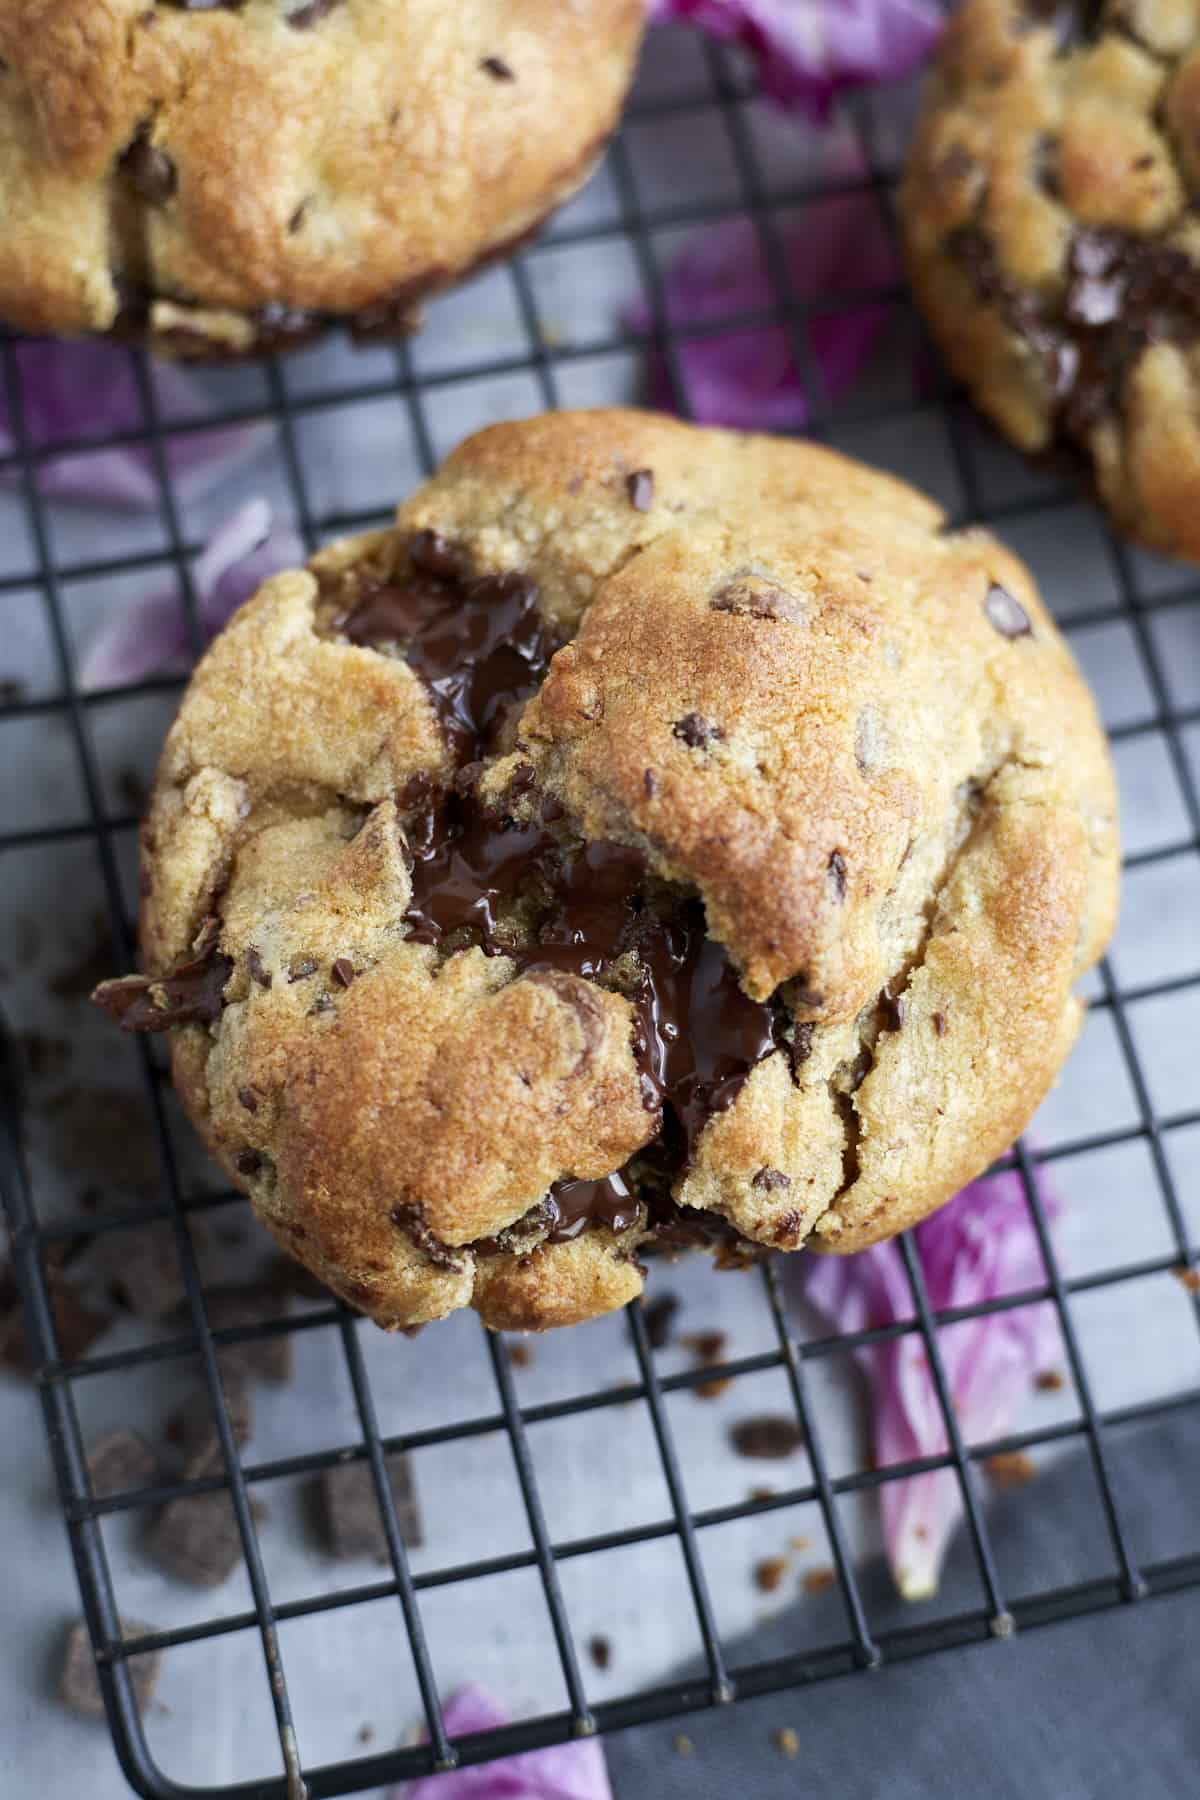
748 916
225 175
1054 240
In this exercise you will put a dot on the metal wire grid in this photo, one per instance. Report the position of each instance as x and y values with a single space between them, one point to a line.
859 1648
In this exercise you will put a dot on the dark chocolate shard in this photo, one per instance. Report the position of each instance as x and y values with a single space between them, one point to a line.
190 994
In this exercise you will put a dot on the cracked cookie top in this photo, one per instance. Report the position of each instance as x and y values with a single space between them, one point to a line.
226 177
659 836
1054 241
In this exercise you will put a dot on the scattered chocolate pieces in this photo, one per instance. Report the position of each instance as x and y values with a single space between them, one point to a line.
767 1435
658 1316
640 488
818 1581
600 1651
349 1510
195 1538
1006 613
118 1461
193 1429
769 1573
79 1684
1011 1468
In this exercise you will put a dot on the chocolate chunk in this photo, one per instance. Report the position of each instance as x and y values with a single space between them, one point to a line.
600 1651
837 870
939 1023
695 731
768 1435
78 1682
193 1429
118 1461
248 1098
658 1316
437 556
196 1538
248 1162
349 1508
343 971
310 14
149 168
770 1179
409 1215
144 1271
497 68
257 969
256 1359
893 1007
301 967
77 1324
640 488
1006 613
190 994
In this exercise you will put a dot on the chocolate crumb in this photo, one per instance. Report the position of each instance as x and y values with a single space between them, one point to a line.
658 1316
343 971
497 68
1011 1468
770 1572
1049 1381
78 1683
939 1023
695 731
786 1741
600 1651
248 1162
256 968
768 1435
149 168
520 1354
837 868
893 1008
640 488
818 1581
120 1460
769 1179
1006 613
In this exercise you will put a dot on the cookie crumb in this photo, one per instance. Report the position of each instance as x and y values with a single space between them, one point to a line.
713 1388
818 1581
1190 1279
1011 1468
799 1542
706 1346
769 1573
1049 1381
786 1741
520 1355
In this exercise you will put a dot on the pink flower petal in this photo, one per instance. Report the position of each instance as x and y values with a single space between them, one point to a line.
573 1771
809 50
980 1247
150 635
90 389
748 378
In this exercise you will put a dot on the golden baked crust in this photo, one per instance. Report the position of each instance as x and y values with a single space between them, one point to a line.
897 808
226 178
1054 242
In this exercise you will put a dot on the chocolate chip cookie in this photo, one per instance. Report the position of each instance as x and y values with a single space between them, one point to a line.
1054 239
224 176
659 837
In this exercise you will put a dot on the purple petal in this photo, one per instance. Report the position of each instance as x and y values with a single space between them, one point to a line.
980 1247
748 379
574 1771
90 389
150 636
809 50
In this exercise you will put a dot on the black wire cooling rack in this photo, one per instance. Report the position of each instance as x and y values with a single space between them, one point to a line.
724 99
